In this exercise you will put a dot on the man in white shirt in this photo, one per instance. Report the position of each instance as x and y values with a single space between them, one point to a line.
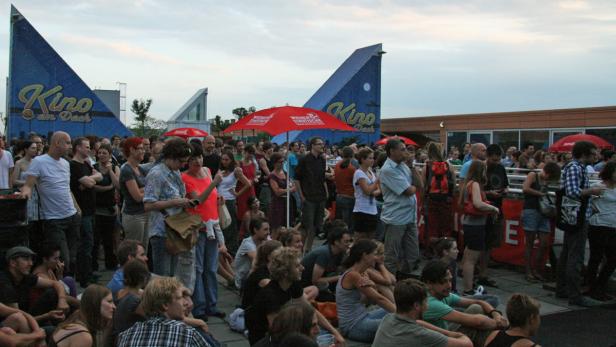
6 166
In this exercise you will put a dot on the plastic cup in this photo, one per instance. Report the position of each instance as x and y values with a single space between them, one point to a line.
325 340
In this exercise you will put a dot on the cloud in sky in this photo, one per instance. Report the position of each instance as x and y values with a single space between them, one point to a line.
443 57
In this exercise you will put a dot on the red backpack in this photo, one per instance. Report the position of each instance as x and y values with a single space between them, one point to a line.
440 178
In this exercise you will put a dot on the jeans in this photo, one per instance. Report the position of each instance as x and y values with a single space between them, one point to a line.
84 253
265 198
298 201
181 265
136 228
104 228
231 231
401 248
365 329
205 295
56 231
379 235
344 209
602 242
312 220
569 269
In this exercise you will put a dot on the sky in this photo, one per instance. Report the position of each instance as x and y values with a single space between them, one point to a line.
443 57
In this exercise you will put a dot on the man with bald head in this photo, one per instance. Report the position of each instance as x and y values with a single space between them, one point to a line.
478 152
51 174
211 160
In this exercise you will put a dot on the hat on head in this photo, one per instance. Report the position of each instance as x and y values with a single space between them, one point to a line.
19 251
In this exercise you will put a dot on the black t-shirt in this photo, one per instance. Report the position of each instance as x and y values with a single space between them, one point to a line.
270 299
86 197
124 316
323 257
497 180
310 172
12 292
212 162
251 286
106 198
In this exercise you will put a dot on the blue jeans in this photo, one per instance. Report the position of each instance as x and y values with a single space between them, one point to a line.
84 252
365 329
344 209
181 265
570 264
57 231
205 295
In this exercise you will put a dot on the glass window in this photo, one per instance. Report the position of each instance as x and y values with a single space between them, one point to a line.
485 138
456 138
539 138
507 139
557 135
607 134
195 113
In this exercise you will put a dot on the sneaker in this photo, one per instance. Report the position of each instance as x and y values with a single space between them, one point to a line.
480 290
585 301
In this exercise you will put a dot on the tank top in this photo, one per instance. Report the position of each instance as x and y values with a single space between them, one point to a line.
208 209
469 219
349 306
227 184
531 202
502 339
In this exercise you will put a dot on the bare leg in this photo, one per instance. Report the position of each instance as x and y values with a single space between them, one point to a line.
17 321
469 260
539 265
311 292
528 252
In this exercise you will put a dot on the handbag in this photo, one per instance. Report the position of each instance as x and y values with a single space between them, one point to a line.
224 217
181 232
570 212
469 208
547 208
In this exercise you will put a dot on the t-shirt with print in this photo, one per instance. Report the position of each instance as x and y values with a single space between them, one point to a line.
497 180
86 197
437 309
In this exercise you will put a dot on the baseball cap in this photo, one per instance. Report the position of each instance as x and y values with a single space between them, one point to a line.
19 251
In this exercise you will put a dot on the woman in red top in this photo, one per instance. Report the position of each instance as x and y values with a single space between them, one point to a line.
201 186
345 193
249 168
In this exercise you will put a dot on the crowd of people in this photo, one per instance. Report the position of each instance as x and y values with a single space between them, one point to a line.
169 215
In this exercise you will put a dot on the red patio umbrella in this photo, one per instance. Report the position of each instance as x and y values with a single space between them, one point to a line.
566 143
406 140
282 119
186 132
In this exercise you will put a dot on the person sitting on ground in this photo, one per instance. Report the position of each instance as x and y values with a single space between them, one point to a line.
52 268
199 324
128 311
285 273
476 322
247 252
322 264
259 275
293 238
298 317
355 321
127 250
87 326
18 328
379 274
523 314
163 303
405 327
254 211
17 281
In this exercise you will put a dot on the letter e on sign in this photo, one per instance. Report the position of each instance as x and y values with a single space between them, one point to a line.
511 232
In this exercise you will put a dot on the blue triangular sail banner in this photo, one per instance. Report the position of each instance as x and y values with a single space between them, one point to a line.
46 95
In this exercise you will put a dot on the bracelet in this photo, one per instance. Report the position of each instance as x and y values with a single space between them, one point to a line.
495 310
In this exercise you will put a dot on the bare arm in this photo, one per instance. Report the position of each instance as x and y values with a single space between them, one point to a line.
26 189
368 188
477 202
15 181
317 276
366 287
242 178
528 182
263 165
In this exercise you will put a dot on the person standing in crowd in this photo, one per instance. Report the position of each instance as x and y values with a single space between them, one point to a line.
466 152
165 192
6 166
478 151
574 184
508 159
536 225
246 254
366 188
249 169
147 150
21 166
345 194
405 328
87 327
238 150
440 181
399 212
211 159
38 141
116 147
310 182
292 161
227 188
202 186
83 179
602 235
474 224
157 149
18 179
266 165
278 183
607 156
132 184
106 208
51 175
163 304
524 321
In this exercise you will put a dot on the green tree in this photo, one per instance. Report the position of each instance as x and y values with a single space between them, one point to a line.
242 112
220 124
141 108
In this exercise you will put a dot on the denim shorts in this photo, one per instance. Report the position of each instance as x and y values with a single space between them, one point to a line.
533 221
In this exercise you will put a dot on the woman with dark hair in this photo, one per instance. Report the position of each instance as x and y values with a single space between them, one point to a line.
366 188
355 321
254 211
51 267
440 180
266 166
86 327
294 317
474 224
132 185
536 225
277 212
18 178
246 253
345 193
105 216
524 321
165 192
602 234
227 188
259 274
248 165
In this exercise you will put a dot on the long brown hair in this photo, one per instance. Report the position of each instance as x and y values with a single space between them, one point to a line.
476 173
